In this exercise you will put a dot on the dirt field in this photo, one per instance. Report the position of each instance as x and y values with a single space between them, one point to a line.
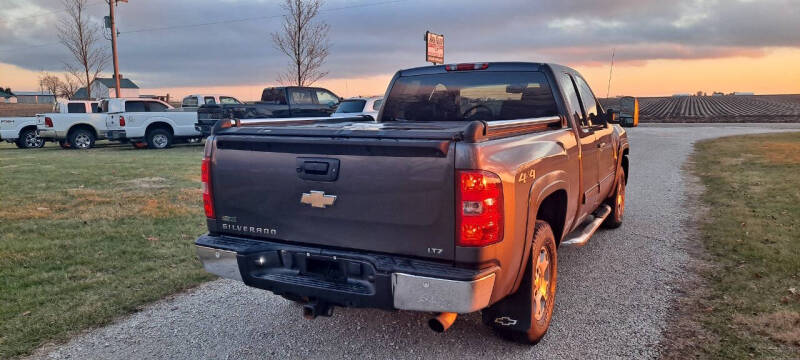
731 108
12 110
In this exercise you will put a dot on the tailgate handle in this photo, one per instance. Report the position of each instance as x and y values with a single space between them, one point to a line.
317 169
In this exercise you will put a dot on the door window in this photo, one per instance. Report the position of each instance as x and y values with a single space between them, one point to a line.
153 106
273 96
135 106
190 101
228 100
301 96
74 108
95 107
587 99
377 105
571 95
209 100
325 97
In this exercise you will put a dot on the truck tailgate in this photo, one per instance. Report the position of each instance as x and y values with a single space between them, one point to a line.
391 195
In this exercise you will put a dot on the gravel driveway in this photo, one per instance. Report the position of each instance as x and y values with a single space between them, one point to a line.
613 294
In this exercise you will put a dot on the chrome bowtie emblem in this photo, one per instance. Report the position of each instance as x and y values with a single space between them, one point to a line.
317 199
505 321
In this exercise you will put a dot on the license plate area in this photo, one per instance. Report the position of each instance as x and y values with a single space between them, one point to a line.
326 268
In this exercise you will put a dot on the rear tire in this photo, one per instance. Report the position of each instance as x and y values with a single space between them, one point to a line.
159 138
81 139
29 140
617 203
525 315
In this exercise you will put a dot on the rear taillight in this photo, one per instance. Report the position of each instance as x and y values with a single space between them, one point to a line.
466 67
121 121
205 178
479 208
48 122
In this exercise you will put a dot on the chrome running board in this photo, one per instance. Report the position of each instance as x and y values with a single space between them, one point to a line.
580 236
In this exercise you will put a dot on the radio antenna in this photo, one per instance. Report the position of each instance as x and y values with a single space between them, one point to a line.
610 72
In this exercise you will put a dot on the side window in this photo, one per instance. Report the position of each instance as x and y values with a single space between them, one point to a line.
377 105
301 96
95 107
190 101
574 103
589 102
274 96
135 106
74 108
209 100
326 98
228 100
153 106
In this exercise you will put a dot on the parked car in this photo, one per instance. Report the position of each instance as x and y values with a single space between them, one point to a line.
69 122
359 107
149 122
454 201
192 102
21 131
276 102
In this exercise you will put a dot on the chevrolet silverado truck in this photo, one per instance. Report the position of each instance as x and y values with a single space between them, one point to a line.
455 200
276 102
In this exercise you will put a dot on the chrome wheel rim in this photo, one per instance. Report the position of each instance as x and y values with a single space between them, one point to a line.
82 141
33 141
541 284
160 141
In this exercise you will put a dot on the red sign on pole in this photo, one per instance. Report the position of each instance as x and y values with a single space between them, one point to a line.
434 48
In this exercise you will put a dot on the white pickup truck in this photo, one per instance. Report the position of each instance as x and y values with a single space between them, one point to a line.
192 102
74 124
22 130
148 122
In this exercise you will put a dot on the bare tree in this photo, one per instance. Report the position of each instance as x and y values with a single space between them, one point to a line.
50 83
82 39
304 41
69 86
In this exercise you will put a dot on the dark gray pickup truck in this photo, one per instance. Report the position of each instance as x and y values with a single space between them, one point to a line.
276 102
455 200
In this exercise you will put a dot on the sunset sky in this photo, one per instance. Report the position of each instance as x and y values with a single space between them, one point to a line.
224 46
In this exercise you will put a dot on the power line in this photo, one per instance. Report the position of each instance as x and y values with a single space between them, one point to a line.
43 13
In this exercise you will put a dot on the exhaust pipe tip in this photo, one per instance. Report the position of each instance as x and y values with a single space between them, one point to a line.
442 322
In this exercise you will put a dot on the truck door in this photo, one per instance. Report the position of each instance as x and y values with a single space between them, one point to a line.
327 102
603 134
587 139
301 101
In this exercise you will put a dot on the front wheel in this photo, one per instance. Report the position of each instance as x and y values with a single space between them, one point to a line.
29 140
525 315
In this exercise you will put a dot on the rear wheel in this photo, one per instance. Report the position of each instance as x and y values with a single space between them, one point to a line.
525 315
29 140
159 138
81 139
617 203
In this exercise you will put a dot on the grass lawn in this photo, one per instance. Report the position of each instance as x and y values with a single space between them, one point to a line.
87 236
752 236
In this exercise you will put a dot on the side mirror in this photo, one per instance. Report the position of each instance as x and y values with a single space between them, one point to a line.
611 116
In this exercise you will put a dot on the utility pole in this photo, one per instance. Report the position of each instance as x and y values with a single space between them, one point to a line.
610 73
111 4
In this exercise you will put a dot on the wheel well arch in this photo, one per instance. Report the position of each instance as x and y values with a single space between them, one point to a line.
624 164
159 125
27 127
553 210
82 126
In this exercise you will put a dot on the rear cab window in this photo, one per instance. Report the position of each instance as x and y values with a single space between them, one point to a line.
76 108
351 106
468 96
